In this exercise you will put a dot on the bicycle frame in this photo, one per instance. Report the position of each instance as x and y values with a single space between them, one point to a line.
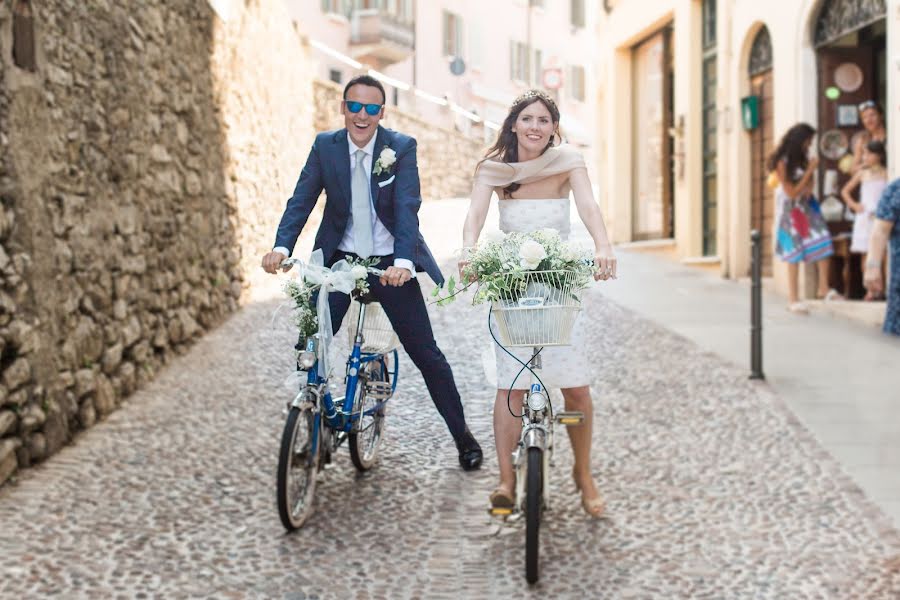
537 432
337 412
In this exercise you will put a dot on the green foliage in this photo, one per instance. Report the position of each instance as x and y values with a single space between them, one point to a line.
505 265
300 292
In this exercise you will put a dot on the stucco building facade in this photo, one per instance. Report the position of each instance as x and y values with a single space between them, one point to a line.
677 161
454 60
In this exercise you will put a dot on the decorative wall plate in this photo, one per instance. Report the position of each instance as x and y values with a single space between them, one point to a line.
848 76
833 144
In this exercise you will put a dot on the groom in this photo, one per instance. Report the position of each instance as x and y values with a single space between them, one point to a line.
371 184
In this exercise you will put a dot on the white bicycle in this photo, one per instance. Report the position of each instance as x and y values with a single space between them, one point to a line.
539 311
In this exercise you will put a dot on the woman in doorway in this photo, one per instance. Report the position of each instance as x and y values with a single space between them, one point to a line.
872 117
802 234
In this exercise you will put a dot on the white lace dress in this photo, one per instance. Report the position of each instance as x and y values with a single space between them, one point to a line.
563 366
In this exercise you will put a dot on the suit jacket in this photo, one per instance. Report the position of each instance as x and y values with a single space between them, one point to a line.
396 203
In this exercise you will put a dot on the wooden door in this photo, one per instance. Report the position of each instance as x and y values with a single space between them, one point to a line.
762 143
668 160
650 147
653 215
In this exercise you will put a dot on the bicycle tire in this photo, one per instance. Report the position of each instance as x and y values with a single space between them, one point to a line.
534 487
364 448
296 505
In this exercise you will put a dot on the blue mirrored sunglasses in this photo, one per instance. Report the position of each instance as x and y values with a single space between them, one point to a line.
355 107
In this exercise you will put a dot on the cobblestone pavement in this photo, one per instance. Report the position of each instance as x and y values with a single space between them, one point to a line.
714 490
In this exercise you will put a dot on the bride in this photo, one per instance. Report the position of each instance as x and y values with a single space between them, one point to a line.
533 176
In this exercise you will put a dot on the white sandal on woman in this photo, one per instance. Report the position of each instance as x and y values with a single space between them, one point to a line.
798 308
833 295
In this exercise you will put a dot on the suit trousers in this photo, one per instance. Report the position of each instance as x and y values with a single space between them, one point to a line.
406 310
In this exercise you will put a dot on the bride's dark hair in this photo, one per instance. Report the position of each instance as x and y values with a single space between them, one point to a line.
506 148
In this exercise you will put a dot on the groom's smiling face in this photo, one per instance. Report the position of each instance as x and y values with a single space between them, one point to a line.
361 125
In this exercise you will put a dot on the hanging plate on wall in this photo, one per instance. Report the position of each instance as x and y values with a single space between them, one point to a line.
833 144
848 76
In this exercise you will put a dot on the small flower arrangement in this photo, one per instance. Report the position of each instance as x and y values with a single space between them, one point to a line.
304 313
300 293
506 266
386 160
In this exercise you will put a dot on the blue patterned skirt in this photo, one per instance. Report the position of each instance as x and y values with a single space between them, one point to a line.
802 234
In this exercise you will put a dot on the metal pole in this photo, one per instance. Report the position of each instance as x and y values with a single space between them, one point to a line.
756 371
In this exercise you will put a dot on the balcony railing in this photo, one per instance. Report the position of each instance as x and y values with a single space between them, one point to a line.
380 36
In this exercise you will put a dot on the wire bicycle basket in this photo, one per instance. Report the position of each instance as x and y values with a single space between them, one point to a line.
378 334
537 308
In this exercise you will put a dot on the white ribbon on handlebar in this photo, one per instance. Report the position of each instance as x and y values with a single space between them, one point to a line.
341 277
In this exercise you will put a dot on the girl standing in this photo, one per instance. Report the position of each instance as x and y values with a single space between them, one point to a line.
802 234
871 179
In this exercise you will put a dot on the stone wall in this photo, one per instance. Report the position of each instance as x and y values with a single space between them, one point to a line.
446 158
144 162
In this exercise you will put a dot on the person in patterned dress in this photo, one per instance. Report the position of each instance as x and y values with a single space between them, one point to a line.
887 226
801 232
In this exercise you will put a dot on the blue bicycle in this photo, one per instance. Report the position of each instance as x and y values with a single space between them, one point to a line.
319 419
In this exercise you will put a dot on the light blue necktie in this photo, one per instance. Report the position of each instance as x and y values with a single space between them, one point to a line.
362 209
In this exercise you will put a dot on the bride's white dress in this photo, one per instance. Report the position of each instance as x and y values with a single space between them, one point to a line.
563 366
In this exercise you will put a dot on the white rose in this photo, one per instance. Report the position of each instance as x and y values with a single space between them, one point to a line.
359 272
387 157
531 254
494 235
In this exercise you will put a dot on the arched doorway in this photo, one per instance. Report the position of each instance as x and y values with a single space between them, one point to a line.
762 203
850 40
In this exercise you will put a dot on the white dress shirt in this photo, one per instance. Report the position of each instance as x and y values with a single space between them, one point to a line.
382 240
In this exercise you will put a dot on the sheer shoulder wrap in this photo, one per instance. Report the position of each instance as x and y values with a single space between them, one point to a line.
559 159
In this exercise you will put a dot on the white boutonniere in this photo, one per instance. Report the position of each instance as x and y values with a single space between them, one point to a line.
385 161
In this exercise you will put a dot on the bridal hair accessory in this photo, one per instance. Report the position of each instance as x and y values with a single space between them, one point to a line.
534 94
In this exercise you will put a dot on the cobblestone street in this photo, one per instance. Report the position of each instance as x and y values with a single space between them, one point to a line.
714 489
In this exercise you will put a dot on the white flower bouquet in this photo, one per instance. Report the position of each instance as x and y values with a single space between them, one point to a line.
532 280
303 312
300 290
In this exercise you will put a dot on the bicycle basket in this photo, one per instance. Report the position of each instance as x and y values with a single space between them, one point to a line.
378 335
538 310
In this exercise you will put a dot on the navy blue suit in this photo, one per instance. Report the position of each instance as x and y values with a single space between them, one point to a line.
396 205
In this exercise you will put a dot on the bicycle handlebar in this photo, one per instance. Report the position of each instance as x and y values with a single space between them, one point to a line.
289 262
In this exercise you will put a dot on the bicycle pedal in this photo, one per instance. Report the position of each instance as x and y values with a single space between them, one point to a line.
379 390
570 418
500 511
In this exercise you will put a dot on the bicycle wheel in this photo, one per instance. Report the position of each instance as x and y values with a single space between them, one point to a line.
534 488
365 437
297 467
